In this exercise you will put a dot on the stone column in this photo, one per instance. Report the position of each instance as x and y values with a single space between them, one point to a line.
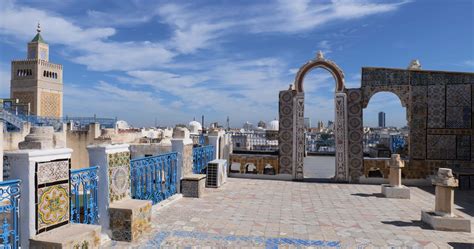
99 156
395 176
445 184
341 139
34 165
183 144
443 217
395 189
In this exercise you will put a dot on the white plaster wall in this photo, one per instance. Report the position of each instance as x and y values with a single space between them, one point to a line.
22 163
98 157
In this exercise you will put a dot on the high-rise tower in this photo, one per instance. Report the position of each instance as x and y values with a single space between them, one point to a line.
382 119
37 81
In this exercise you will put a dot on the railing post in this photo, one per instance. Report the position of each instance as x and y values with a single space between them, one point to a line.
183 145
23 166
214 140
108 190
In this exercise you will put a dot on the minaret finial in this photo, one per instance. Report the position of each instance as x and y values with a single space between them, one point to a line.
38 28
320 55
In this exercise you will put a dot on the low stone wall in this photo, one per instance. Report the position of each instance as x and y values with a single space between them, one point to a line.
260 161
414 169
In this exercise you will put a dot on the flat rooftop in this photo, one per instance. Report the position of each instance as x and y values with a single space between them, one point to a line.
268 213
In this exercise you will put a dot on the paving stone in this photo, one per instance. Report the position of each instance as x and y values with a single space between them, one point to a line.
251 213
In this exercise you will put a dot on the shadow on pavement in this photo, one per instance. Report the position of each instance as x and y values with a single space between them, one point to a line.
459 245
413 223
378 195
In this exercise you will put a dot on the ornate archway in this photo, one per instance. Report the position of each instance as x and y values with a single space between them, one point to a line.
292 148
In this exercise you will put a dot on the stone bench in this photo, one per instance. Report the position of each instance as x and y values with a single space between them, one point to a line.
130 219
193 185
68 236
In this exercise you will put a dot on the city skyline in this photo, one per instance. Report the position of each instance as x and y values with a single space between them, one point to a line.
172 62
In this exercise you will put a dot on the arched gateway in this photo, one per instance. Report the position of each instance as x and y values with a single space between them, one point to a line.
291 139
439 113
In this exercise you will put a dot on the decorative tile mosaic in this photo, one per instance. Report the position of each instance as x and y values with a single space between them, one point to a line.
441 146
285 139
436 106
458 117
49 172
170 239
130 224
463 147
53 205
119 175
355 132
458 95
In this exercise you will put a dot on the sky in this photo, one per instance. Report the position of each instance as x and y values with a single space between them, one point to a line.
172 61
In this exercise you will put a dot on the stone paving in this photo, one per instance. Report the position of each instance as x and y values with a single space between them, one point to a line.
286 214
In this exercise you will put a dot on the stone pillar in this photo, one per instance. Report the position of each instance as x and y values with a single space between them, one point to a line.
395 175
341 139
42 171
445 184
395 189
183 144
99 156
214 136
443 217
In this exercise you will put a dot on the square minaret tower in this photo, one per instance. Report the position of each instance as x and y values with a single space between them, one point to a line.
38 82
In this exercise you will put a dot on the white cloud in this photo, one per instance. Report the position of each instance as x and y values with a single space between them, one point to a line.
291 16
220 84
89 46
469 63
109 100
354 81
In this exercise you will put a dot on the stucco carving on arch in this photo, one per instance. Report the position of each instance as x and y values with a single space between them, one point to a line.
320 62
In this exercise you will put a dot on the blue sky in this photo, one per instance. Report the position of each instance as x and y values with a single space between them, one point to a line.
143 60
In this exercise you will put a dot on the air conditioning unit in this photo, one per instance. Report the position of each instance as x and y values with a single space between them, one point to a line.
216 173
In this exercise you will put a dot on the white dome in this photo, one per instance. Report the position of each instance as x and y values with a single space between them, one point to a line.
122 125
195 127
273 125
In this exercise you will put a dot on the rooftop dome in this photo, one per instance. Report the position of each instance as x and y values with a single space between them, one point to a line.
273 125
122 125
195 127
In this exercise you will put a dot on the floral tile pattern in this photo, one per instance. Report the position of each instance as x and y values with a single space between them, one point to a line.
119 175
53 205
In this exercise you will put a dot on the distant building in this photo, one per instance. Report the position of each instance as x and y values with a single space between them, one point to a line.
382 119
320 125
37 82
262 124
307 123
330 125
248 126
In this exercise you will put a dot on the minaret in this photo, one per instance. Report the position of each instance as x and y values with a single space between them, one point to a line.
38 82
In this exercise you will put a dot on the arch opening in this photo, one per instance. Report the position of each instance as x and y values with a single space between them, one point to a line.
385 132
319 116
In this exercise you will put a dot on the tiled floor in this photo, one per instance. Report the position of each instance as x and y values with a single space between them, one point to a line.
271 214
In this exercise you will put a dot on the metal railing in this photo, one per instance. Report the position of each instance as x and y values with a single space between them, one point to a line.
198 139
9 212
84 183
16 119
154 178
201 156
